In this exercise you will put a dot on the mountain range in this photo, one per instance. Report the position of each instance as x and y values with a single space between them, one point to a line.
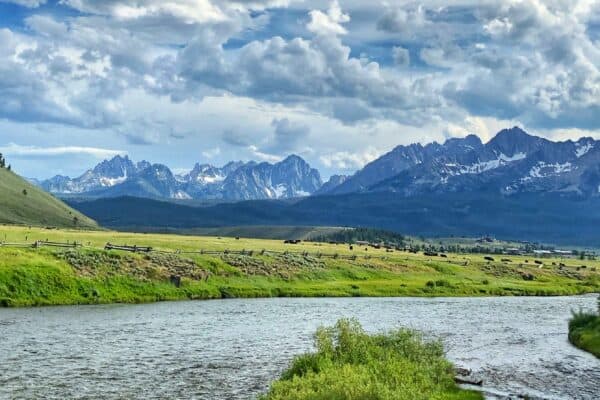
291 177
515 186
512 162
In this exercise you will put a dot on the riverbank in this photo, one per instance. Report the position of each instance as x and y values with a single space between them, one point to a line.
584 331
188 267
350 364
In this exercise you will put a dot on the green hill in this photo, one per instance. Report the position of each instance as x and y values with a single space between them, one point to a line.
23 203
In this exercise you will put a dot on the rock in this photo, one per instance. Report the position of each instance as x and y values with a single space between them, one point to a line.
175 280
468 380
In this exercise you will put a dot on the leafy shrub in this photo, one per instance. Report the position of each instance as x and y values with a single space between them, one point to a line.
351 364
584 331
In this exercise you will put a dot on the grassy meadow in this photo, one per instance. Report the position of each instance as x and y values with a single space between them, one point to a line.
23 203
90 275
350 364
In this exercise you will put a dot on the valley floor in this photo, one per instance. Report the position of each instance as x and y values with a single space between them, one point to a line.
188 267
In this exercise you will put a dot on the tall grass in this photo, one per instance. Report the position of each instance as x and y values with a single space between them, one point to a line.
584 331
351 364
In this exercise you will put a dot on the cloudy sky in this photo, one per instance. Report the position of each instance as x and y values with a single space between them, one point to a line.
337 82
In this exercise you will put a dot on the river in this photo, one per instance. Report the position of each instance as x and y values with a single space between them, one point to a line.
233 349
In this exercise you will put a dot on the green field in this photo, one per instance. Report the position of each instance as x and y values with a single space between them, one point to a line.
89 274
23 203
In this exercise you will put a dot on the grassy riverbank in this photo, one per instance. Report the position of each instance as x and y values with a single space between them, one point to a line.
350 364
584 331
90 275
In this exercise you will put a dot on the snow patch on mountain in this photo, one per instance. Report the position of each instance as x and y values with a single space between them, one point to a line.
181 195
108 182
279 191
583 149
484 166
543 170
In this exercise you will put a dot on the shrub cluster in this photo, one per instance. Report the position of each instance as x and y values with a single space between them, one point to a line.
351 364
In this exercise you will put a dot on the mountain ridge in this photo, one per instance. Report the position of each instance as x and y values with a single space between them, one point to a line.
236 180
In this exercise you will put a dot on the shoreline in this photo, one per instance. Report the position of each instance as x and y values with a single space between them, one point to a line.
130 298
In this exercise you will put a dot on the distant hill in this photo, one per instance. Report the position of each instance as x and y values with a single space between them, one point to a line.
23 203
549 218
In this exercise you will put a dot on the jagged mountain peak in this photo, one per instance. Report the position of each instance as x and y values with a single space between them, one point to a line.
117 166
470 140
514 141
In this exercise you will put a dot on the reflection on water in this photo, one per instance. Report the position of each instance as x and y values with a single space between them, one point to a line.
232 349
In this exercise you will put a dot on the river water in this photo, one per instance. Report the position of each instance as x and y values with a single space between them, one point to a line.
232 349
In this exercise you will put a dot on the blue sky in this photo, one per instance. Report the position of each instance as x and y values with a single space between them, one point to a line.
337 82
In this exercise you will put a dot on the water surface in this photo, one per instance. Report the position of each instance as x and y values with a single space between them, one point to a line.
232 349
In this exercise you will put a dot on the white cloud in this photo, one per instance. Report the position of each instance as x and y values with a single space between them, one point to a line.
211 153
16 150
329 23
262 156
498 27
345 160
26 3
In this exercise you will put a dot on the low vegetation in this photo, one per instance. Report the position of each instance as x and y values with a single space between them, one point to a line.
584 331
350 364
191 267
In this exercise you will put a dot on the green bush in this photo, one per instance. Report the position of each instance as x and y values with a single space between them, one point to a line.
584 332
351 364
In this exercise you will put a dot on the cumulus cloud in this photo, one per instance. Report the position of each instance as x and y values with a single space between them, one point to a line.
288 135
436 63
401 56
404 21
345 160
329 23
236 137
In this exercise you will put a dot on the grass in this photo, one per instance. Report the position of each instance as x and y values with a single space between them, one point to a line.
584 331
91 275
350 364
24 203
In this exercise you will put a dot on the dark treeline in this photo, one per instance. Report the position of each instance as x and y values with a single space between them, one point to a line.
362 235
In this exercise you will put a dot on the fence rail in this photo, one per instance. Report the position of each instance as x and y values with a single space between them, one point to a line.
41 243
219 253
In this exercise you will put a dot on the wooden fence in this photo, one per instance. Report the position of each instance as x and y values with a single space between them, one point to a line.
218 253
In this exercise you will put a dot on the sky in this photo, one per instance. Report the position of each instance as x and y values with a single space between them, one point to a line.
336 82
